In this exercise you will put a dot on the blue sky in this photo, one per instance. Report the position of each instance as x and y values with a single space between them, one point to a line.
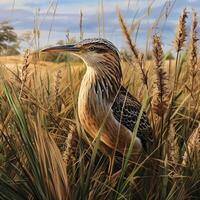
55 17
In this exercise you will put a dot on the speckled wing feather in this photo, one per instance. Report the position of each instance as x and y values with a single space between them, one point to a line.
126 109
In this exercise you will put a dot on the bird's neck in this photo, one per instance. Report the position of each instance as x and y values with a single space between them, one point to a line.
103 80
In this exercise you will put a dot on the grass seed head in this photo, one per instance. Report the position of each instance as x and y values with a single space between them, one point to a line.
181 32
160 100
193 51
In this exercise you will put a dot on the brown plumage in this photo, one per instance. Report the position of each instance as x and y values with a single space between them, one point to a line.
104 105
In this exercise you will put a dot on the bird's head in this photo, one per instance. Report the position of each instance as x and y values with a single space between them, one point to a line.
94 52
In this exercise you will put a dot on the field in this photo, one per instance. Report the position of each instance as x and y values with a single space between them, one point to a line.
45 154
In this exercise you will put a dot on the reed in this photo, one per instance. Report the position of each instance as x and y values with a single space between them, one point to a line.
161 92
181 32
193 51
139 56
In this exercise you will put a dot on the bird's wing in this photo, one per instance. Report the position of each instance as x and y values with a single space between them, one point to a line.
126 109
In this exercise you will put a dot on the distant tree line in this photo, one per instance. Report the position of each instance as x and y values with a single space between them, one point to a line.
9 43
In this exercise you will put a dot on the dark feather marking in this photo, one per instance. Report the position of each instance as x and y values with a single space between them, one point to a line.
127 113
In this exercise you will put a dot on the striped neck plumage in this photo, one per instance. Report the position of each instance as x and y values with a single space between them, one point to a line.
105 78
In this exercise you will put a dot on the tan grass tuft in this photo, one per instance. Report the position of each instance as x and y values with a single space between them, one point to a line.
193 51
71 145
192 152
160 99
57 82
24 71
139 56
25 65
124 28
173 147
58 78
51 164
181 33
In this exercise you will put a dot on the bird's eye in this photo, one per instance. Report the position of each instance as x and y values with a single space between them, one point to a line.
92 48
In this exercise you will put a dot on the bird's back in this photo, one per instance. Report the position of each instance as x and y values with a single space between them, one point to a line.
126 109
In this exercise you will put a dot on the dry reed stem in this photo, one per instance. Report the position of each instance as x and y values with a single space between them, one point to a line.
160 99
24 71
173 147
128 37
71 145
81 25
26 63
192 152
58 78
193 51
58 101
139 56
181 33
51 164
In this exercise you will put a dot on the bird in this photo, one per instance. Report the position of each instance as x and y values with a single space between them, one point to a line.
105 106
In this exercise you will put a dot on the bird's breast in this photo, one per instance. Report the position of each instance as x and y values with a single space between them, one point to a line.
92 108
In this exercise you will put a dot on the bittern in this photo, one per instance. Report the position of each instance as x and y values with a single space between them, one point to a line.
104 105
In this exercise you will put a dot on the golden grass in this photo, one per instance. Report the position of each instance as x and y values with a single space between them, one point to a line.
45 154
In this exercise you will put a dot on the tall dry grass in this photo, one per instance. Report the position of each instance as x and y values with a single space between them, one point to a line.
45 154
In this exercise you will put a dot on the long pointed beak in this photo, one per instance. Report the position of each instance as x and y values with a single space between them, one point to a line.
62 48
